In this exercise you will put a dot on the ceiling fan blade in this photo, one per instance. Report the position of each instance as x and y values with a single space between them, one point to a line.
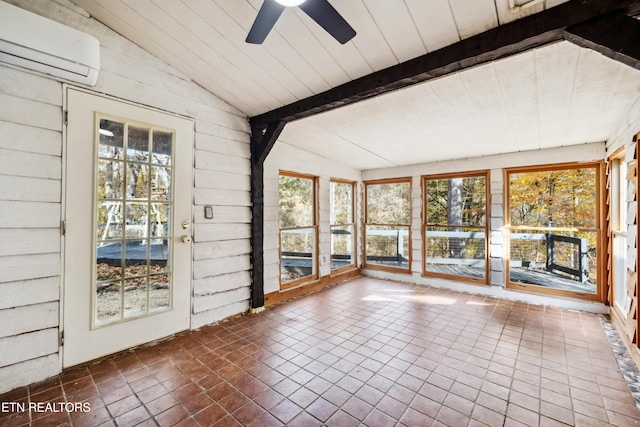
266 19
324 14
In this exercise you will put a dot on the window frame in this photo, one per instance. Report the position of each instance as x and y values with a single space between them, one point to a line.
486 228
354 253
598 229
617 227
314 261
366 224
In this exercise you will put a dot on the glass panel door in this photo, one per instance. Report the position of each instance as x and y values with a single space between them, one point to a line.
133 221
127 250
554 229
456 226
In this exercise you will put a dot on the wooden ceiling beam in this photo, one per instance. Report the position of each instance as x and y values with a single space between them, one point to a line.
616 36
518 36
262 141
261 144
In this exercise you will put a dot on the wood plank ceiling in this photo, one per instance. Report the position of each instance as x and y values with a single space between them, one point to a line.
552 96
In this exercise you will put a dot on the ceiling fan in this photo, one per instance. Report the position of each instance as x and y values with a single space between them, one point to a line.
320 11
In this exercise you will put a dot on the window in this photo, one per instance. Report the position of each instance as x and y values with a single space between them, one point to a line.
342 225
387 224
133 221
455 226
298 229
554 229
618 224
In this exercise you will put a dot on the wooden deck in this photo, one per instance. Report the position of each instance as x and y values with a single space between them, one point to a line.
517 275
135 253
521 275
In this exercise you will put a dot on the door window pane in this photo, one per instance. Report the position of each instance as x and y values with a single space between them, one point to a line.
111 139
554 229
162 145
133 221
138 144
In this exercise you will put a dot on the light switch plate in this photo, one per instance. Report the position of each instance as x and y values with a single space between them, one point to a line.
208 212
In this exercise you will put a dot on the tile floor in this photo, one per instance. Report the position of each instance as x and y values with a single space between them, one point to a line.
365 352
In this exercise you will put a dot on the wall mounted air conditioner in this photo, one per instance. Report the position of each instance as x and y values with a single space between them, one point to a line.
40 44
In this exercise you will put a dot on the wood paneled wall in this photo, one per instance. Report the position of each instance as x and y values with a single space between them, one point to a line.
31 182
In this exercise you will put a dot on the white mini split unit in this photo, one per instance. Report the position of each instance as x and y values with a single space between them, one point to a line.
40 44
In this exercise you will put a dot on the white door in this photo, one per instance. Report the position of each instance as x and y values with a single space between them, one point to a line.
127 250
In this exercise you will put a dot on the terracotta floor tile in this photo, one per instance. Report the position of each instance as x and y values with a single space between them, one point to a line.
379 419
557 413
233 401
322 409
487 416
58 419
342 419
412 417
285 411
114 394
171 416
522 415
210 415
286 387
161 404
152 393
220 391
197 403
268 399
94 418
349 360
249 413
357 408
459 404
426 406
133 417
123 406
303 397
74 375
450 417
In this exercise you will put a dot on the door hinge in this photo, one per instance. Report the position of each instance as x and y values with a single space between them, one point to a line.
63 227
61 343
66 117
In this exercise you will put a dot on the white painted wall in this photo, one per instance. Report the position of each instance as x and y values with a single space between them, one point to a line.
623 138
626 130
496 166
31 182
288 158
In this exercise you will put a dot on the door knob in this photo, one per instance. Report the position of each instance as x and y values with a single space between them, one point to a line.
185 238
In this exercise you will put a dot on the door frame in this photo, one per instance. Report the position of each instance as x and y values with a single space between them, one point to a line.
64 208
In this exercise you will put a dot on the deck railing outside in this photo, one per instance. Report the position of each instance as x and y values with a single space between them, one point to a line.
577 269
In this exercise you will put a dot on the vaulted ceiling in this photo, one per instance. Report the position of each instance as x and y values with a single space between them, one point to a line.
554 95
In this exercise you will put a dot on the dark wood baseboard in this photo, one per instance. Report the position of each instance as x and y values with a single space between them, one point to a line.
284 295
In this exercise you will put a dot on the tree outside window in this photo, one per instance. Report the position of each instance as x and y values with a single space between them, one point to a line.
342 225
387 224
456 225
298 228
